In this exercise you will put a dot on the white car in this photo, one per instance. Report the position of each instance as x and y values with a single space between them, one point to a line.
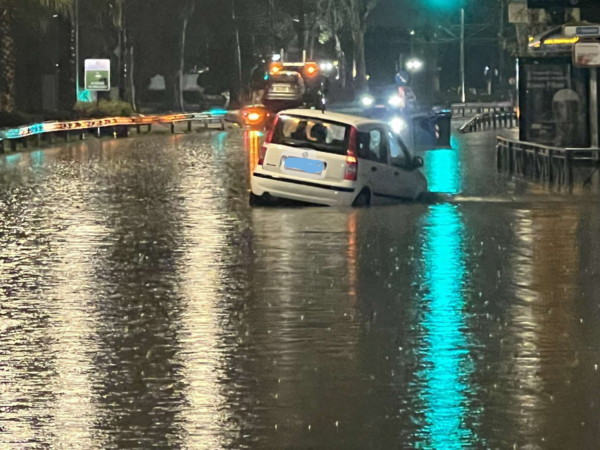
336 160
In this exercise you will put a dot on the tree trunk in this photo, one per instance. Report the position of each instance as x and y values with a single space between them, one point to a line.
7 57
172 96
182 64
501 45
237 94
341 59
361 66
130 92
313 37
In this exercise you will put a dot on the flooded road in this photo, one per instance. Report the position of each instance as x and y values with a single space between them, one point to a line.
144 304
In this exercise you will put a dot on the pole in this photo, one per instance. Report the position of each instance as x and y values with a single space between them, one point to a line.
238 55
462 56
594 108
271 8
501 47
76 50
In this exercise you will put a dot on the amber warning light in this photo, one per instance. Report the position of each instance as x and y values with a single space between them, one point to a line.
311 68
276 67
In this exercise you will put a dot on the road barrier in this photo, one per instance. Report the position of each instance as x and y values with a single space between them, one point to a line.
431 129
120 127
540 162
469 109
490 121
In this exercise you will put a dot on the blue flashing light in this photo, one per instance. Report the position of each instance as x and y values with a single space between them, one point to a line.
84 96
218 112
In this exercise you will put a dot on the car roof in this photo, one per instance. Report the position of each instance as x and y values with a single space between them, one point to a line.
347 119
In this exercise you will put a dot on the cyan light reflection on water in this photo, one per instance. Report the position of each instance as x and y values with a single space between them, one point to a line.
443 171
444 379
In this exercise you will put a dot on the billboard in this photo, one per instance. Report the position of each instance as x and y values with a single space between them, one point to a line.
554 102
97 74
562 3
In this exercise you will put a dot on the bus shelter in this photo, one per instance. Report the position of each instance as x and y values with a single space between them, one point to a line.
558 94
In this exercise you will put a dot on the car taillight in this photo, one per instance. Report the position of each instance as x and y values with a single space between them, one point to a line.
351 173
263 149
254 117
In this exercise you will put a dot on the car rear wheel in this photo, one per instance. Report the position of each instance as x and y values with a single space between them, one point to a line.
255 200
363 199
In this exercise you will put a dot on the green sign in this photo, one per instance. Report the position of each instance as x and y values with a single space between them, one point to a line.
97 74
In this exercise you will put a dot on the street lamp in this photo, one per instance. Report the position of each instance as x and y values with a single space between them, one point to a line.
414 65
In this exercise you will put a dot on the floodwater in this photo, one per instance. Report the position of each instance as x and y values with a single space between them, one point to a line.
144 304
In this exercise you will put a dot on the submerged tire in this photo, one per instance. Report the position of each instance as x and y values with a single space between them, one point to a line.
255 200
363 200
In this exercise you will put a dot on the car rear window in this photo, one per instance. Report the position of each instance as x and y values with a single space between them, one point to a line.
313 133
292 78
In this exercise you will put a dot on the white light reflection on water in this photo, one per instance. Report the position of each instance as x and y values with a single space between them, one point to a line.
444 378
527 346
73 323
205 416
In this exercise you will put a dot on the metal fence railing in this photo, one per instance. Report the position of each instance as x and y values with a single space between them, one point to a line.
470 109
490 121
540 162
121 127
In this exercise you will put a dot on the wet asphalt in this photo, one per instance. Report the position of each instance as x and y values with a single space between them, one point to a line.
144 304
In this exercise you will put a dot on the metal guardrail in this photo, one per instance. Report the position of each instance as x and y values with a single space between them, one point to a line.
121 127
540 162
469 109
490 121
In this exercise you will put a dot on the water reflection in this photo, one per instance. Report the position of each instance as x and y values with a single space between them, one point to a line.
143 304
445 376
252 147
443 171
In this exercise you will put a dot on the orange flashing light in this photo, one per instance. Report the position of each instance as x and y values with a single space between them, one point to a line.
276 67
312 68
254 117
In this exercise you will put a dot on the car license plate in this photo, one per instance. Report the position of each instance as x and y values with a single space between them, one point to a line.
281 88
311 166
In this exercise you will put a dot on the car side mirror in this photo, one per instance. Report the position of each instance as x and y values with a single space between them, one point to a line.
417 162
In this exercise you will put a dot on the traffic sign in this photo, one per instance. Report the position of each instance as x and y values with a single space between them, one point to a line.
586 54
582 31
402 78
97 74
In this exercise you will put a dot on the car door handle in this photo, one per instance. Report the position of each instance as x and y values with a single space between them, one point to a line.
373 169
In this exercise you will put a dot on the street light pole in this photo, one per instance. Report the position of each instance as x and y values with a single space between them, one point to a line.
238 51
271 25
462 56
76 50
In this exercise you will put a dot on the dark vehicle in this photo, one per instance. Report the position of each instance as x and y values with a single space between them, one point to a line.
381 101
293 85
285 90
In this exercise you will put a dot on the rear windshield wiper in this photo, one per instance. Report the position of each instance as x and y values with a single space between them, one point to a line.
299 144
